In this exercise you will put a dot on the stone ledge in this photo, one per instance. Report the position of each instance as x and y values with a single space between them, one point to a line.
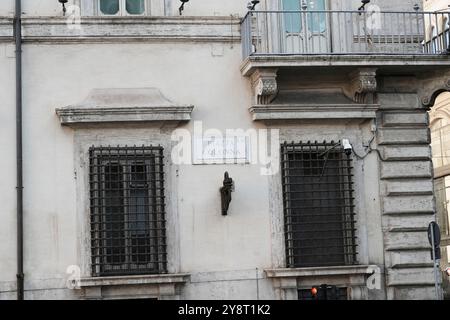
110 29
321 271
313 111
287 281
160 286
383 62
134 280
123 105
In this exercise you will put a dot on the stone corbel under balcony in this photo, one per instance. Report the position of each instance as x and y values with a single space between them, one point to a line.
287 282
164 286
264 84
363 85
109 106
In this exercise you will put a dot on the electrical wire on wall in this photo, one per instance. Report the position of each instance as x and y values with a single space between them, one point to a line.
369 150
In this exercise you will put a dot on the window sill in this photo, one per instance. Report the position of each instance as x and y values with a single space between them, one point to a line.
321 271
160 286
287 281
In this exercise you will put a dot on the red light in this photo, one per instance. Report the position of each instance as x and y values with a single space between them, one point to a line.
314 291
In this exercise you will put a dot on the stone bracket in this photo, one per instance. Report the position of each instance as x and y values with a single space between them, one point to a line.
363 85
264 85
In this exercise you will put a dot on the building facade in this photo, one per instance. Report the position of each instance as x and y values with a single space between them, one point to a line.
438 124
136 118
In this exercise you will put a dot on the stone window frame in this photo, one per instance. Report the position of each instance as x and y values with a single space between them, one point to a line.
276 189
84 140
287 281
125 117
154 286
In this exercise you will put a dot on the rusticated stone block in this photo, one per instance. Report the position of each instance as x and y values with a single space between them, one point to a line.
417 222
410 169
398 101
413 187
395 241
415 293
406 152
411 204
409 259
411 276
405 118
401 136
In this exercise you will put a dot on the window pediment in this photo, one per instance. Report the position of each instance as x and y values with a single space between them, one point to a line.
104 106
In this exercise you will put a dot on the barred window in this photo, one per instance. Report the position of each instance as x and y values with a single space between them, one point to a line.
318 202
128 232
333 293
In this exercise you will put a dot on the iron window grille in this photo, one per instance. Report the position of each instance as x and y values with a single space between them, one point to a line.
128 226
338 294
319 211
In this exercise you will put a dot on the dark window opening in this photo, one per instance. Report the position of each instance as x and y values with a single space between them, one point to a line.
319 207
128 232
331 294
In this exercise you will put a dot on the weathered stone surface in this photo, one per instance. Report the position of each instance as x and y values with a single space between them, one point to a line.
418 222
414 293
403 136
408 259
406 241
410 276
405 119
411 204
415 187
411 169
398 100
406 152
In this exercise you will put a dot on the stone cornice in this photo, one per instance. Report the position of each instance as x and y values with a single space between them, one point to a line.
6 29
417 63
134 280
136 29
313 111
321 271
106 106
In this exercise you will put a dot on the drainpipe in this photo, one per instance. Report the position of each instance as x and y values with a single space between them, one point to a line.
19 160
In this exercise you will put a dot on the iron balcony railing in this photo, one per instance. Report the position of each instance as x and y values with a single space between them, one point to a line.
345 32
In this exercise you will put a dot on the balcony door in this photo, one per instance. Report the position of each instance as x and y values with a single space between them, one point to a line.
305 26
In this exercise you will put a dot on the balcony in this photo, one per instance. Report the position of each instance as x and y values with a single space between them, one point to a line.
303 64
299 38
345 33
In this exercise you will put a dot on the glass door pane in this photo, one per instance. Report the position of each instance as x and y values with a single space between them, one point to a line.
109 7
135 6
